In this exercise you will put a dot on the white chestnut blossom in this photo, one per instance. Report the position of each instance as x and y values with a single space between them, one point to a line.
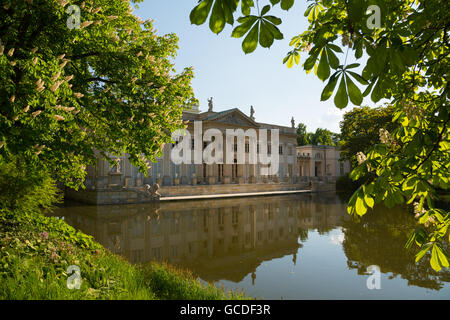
361 157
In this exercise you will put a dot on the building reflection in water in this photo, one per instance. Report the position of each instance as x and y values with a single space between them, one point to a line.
224 239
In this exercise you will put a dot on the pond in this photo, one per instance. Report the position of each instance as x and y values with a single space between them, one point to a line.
302 246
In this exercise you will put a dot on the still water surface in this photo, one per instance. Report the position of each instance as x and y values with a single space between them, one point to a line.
292 247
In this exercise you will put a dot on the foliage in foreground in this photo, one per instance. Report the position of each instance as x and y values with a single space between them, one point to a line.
407 45
67 90
36 251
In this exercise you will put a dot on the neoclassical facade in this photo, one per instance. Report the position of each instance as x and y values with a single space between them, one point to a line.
166 173
321 162
296 168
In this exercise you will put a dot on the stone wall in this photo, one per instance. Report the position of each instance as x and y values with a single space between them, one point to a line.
119 195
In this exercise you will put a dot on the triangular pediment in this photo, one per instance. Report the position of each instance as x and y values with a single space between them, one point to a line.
234 117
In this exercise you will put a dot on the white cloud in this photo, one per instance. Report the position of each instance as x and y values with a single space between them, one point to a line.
337 239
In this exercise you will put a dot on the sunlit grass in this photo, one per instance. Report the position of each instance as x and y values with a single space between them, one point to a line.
35 252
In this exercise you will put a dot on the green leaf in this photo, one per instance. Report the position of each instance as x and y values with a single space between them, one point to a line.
308 10
251 40
368 89
310 62
276 21
341 98
360 206
290 61
200 13
329 88
265 9
334 47
359 49
358 77
352 65
332 59
246 24
422 251
323 71
274 30
265 36
217 19
355 94
287 4
443 259
369 201
245 6
377 94
352 202
435 261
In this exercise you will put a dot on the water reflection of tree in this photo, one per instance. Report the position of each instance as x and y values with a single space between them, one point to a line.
378 238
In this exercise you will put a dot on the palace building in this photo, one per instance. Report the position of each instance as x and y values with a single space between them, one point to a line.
297 166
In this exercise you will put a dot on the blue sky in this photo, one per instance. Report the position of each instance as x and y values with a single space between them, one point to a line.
236 80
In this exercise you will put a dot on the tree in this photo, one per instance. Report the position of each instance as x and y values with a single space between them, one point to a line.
360 130
302 135
322 137
79 77
407 46
336 137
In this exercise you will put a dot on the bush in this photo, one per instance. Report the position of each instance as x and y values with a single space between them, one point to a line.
26 188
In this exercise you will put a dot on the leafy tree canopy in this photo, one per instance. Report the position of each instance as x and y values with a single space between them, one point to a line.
407 45
321 136
302 135
79 76
360 129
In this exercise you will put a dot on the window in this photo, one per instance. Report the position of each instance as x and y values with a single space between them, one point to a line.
234 218
247 148
221 218
257 148
192 143
260 235
280 149
156 253
269 149
235 147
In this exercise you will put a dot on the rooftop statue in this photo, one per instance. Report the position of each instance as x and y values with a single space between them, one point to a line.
210 104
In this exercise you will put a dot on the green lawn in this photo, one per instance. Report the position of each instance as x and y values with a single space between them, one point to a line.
35 252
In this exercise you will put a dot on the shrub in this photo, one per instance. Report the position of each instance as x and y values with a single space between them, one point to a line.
25 188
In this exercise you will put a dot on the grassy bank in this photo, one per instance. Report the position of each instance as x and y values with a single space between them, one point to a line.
36 251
